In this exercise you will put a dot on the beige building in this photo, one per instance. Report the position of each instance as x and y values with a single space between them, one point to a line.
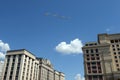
1 68
102 58
47 72
23 65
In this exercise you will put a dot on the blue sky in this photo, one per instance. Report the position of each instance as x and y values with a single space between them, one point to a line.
40 25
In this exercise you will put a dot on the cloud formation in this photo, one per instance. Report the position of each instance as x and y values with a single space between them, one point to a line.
3 48
79 77
57 15
75 47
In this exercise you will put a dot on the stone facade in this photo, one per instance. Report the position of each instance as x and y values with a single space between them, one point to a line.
23 65
102 58
1 68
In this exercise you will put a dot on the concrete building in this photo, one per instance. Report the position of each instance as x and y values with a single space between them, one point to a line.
23 65
20 65
1 68
102 58
47 72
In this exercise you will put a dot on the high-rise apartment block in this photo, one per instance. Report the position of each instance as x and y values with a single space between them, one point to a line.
102 58
23 65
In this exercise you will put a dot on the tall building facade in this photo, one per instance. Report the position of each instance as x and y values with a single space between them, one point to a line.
23 65
102 58
1 68
47 72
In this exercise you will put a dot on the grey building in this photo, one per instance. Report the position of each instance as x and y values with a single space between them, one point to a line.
23 65
102 58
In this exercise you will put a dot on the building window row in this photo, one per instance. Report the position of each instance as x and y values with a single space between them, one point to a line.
97 77
117 45
92 51
92 57
94 67
115 41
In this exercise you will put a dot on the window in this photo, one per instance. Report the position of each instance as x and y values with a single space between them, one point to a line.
89 77
117 45
95 77
95 71
112 41
118 69
89 68
86 44
88 63
87 51
87 55
97 54
92 58
89 71
113 46
93 63
115 56
92 55
98 64
118 52
116 41
93 67
100 77
96 50
114 49
88 58
91 50
116 61
118 49
117 65
98 58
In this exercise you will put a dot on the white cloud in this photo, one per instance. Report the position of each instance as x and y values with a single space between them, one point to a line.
75 47
3 48
2 55
57 15
79 77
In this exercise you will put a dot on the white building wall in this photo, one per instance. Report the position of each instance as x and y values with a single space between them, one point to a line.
1 68
22 65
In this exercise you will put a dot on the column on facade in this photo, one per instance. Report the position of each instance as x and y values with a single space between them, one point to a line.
21 67
37 72
51 75
4 68
32 78
26 67
29 72
9 68
15 67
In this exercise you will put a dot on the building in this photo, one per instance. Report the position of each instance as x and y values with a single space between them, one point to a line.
1 68
47 71
102 58
23 65
20 65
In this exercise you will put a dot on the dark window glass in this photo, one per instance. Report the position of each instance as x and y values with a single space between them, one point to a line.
115 56
91 50
116 41
116 61
113 46
114 49
112 41
96 50
87 51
